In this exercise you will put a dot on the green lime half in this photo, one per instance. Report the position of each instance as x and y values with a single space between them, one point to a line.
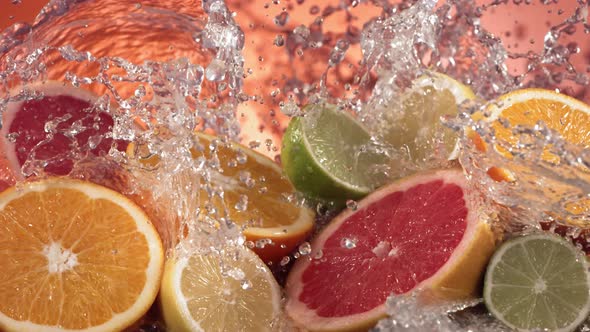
538 282
330 156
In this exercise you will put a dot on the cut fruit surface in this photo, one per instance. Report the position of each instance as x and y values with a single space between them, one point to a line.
75 256
416 127
255 193
423 232
329 156
197 295
566 115
67 113
538 282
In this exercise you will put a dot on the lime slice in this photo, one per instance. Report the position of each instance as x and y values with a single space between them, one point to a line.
416 126
328 155
538 282
233 291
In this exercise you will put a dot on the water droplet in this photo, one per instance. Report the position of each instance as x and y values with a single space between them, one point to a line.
279 40
304 248
285 260
216 70
281 19
348 243
352 205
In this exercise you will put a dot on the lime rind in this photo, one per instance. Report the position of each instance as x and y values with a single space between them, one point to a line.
320 161
523 268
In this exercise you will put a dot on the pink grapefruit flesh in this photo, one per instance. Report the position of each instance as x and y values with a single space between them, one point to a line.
409 234
25 123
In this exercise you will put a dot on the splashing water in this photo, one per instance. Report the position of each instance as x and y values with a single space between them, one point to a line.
177 92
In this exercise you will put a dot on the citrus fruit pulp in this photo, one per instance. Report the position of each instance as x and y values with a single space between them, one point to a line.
197 295
67 114
424 232
243 172
559 112
563 114
327 156
538 282
74 256
417 126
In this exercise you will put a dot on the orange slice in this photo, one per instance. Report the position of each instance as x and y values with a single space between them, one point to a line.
248 176
75 256
567 116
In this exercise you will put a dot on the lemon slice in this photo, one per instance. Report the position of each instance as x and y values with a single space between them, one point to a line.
416 126
232 291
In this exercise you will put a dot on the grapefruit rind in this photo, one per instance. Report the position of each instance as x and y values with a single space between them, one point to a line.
49 89
458 278
153 271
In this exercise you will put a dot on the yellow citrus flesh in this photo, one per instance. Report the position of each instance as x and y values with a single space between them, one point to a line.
418 126
75 256
196 295
246 175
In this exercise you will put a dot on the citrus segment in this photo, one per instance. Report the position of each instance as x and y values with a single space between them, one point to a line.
256 195
74 256
328 156
424 231
538 282
197 295
417 127
52 127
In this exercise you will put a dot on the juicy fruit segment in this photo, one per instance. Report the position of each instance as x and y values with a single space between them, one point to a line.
566 115
328 155
75 255
420 232
203 293
51 129
417 127
255 195
538 282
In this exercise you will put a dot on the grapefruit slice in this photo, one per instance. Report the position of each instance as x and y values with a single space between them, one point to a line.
63 110
425 231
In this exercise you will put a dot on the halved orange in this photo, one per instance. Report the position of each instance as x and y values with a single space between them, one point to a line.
75 256
569 117
256 195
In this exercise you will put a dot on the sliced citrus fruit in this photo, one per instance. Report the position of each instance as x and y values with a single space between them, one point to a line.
569 117
566 115
538 282
75 256
328 155
255 195
416 127
51 128
425 231
231 291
